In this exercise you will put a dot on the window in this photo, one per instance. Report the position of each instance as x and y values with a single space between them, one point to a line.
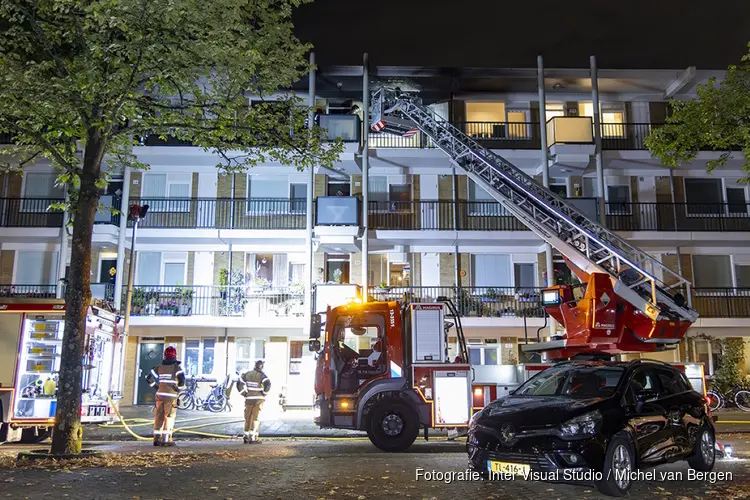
337 268
489 112
39 191
260 269
518 125
736 201
156 268
712 273
553 110
673 382
275 194
200 357
338 188
580 382
156 187
525 277
482 204
296 273
35 268
618 200
559 188
742 276
703 196
491 271
475 355
390 193
641 381
611 115
296 348
248 352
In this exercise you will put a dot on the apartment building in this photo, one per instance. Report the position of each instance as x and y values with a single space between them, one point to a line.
221 260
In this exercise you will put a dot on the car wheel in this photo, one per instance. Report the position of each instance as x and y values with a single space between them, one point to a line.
393 425
619 464
705 451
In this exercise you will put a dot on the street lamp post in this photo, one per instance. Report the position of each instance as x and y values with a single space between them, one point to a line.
135 213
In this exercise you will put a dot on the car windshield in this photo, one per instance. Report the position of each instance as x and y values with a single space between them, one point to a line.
574 381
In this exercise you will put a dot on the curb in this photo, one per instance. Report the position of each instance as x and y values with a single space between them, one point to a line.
37 455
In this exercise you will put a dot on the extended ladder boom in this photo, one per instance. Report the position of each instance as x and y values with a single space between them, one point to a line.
585 243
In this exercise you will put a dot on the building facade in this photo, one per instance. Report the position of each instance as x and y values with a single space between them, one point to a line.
221 261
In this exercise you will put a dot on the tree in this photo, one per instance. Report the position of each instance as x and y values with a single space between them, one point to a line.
718 120
81 79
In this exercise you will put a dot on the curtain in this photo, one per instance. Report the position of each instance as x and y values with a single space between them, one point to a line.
149 268
178 187
36 268
41 185
378 188
249 267
492 270
280 270
155 186
269 186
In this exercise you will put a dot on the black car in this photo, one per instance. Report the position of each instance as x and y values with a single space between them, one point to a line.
593 422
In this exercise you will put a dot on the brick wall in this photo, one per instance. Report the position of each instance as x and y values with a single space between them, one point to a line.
356 184
190 268
131 350
136 179
320 186
670 260
6 266
447 273
224 186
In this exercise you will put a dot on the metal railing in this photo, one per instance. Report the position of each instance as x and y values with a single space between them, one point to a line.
223 213
504 135
627 136
438 215
235 300
389 141
30 212
710 217
28 291
487 302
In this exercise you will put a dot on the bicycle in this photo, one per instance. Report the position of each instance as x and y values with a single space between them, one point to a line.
215 402
737 397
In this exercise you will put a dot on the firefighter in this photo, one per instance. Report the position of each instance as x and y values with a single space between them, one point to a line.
253 385
168 379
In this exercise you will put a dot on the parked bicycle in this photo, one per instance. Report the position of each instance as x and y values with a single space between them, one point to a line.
216 401
737 397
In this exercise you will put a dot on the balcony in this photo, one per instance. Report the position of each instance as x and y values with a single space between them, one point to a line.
223 213
569 130
235 301
503 135
17 291
485 302
709 217
36 212
439 216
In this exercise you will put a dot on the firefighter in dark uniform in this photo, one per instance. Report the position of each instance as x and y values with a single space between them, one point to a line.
168 379
253 385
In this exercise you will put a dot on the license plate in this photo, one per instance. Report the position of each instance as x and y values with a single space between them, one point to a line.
97 411
508 468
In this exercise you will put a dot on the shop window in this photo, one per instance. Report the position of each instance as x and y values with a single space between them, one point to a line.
703 196
199 359
157 187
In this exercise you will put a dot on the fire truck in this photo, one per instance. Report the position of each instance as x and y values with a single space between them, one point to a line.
31 332
383 367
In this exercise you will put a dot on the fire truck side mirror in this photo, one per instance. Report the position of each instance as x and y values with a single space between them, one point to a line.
315 325
314 345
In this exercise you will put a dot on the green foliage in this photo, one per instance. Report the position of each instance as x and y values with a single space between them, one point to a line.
718 120
731 358
73 70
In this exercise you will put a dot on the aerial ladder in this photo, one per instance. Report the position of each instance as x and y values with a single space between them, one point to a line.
627 306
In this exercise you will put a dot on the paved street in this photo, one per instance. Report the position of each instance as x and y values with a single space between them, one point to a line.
315 469
292 423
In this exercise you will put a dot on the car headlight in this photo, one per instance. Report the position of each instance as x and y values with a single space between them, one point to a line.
583 426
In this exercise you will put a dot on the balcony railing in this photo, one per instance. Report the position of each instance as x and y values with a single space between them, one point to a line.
722 302
236 300
28 291
708 217
224 213
488 302
570 130
30 212
503 135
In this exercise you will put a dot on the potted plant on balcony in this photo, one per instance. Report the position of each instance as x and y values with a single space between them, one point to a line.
185 301
338 276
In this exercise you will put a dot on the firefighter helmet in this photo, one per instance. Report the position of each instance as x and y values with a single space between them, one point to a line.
170 353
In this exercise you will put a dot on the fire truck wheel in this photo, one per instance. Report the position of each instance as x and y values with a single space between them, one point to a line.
393 425
32 435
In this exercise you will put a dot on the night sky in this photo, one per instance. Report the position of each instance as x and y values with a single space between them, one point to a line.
634 34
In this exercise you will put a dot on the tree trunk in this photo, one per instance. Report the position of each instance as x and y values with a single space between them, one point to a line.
67 436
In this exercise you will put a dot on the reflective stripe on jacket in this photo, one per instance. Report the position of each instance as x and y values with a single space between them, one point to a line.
168 379
254 384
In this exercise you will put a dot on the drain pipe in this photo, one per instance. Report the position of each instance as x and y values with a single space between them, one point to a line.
598 141
456 260
545 173
365 177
